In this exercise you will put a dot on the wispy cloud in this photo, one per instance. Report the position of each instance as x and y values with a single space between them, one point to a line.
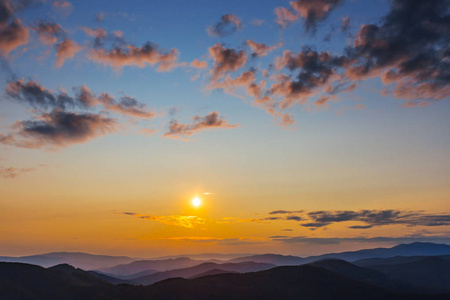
361 239
175 220
12 172
198 124
367 218
227 25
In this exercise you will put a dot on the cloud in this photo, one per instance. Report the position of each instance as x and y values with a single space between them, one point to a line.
175 220
260 49
126 105
314 11
377 218
98 33
129 55
12 172
198 124
408 50
362 239
245 80
48 32
284 16
65 50
198 64
345 24
12 33
58 129
368 218
227 25
38 97
276 212
62 4
257 22
316 71
226 60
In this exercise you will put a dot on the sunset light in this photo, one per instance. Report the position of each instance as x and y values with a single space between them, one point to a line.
196 202
154 130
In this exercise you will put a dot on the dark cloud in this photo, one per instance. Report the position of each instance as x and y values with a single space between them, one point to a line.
39 97
408 50
311 72
126 105
275 212
198 124
49 32
129 213
98 34
226 60
376 218
59 129
361 227
12 33
369 218
378 239
227 25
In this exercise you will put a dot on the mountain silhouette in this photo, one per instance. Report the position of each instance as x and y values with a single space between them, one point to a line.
306 282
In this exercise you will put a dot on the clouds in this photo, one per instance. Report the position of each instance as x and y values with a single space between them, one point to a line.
408 50
226 60
190 222
12 33
65 50
49 32
227 25
130 55
69 120
361 239
260 49
59 129
12 172
37 96
367 218
198 64
198 124
312 11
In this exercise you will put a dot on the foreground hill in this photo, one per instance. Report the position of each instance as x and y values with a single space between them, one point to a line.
22 281
429 273
366 275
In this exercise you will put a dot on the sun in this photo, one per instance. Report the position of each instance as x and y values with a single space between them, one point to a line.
196 201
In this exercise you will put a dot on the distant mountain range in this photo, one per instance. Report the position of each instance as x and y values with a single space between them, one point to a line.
78 259
127 268
325 280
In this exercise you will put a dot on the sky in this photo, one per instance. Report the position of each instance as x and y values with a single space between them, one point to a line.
303 127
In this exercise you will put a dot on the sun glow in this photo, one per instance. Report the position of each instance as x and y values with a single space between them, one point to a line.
196 202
